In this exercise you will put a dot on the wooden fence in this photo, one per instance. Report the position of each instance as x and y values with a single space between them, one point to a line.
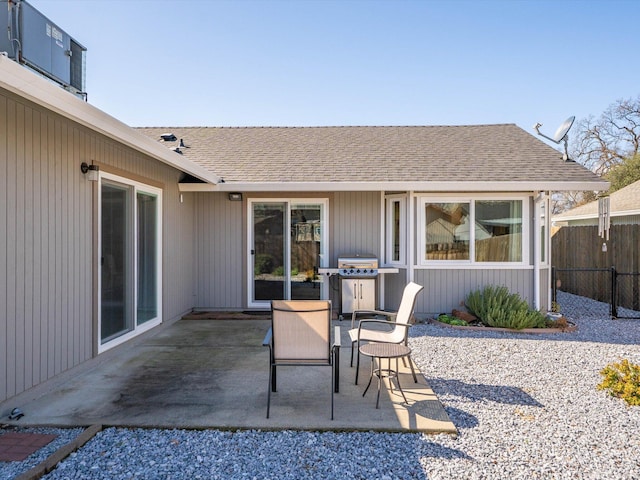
582 248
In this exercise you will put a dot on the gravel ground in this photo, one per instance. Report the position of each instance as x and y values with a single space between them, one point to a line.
525 405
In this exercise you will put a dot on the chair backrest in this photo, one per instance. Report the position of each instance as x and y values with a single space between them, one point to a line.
301 330
405 311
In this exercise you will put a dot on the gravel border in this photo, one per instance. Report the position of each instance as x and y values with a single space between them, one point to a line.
65 436
525 407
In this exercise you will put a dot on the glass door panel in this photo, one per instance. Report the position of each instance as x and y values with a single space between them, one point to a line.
147 300
116 312
268 252
305 248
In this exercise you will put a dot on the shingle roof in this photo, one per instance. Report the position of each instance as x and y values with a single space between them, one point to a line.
428 154
623 201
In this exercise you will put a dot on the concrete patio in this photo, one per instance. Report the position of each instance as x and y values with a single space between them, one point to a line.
214 374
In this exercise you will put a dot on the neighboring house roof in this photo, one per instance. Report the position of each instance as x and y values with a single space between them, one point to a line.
434 158
23 82
625 201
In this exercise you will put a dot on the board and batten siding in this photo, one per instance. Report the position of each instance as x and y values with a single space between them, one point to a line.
444 290
221 262
354 224
47 235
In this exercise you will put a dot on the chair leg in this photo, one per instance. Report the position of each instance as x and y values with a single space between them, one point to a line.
352 344
357 362
273 379
333 386
269 387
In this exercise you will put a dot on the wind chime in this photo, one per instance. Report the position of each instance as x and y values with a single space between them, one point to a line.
604 221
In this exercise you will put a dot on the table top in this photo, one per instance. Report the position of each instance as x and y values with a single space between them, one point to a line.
385 350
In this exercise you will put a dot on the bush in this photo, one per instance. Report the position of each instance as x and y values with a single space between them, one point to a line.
279 271
622 380
496 307
263 263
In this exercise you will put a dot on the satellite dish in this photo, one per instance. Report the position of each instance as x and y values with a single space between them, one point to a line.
561 134
563 129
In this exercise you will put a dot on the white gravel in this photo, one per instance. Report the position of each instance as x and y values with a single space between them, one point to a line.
526 406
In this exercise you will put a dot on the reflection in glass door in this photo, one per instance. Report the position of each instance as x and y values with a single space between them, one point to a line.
286 250
268 251
116 313
305 245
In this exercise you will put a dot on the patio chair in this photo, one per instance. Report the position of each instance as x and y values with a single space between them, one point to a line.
395 329
300 335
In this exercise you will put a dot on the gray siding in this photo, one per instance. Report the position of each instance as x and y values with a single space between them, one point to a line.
444 290
46 241
221 265
355 224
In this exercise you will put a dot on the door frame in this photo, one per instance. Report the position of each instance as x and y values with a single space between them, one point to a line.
324 244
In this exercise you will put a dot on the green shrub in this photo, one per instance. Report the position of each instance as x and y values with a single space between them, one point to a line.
451 320
622 380
496 307
263 263
279 271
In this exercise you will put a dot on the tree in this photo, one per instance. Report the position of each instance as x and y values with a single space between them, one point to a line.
624 173
602 143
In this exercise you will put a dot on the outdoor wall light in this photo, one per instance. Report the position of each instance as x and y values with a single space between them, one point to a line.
235 197
91 171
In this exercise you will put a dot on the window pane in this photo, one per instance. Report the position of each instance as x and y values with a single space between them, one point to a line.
395 254
147 255
498 231
305 244
116 303
447 231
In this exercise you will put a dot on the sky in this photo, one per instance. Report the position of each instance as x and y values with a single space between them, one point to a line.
354 62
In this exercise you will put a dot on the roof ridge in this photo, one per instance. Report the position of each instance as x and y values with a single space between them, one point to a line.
294 127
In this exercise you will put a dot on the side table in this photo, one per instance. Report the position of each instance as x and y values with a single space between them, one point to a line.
381 351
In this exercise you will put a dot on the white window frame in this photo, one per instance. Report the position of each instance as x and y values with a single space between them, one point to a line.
138 187
391 200
471 262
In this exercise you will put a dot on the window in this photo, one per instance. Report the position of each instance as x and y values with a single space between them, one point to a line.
472 231
395 230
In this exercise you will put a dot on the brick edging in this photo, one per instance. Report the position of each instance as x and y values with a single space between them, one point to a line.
63 452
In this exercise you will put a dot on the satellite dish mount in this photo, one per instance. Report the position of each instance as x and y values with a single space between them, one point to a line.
562 134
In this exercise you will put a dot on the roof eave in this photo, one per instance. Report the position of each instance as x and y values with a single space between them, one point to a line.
475 186
22 82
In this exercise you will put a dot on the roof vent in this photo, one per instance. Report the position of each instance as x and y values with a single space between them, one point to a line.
168 137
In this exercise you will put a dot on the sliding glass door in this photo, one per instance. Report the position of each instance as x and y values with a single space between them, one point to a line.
130 259
287 242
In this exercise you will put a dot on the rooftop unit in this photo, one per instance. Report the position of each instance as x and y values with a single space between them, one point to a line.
36 42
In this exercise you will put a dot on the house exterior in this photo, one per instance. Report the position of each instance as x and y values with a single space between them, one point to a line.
624 209
91 259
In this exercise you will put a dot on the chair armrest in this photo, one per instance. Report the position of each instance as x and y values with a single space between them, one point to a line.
382 322
354 316
267 339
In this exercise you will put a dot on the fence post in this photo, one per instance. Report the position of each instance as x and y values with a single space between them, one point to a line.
554 292
614 286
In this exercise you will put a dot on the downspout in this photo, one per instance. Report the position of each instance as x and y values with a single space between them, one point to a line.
382 250
540 197
410 237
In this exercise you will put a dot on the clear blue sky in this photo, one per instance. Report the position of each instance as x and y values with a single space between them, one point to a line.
310 63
